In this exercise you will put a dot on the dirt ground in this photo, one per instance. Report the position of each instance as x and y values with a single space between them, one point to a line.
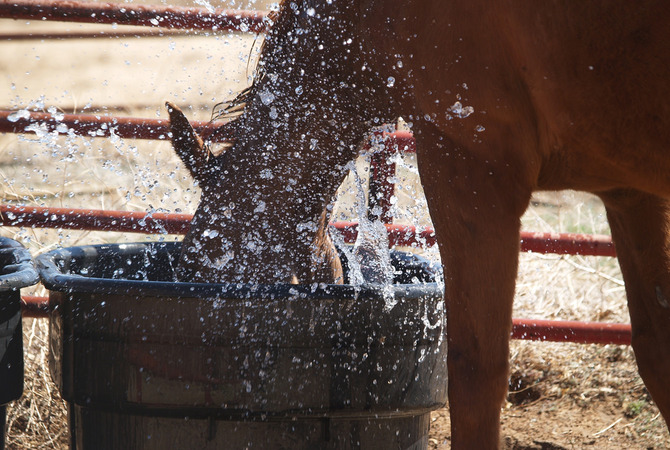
563 396
573 397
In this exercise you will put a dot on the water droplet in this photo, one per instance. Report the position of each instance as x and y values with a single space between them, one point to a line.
207 5
261 207
266 97
58 115
17 115
390 81
460 111
210 233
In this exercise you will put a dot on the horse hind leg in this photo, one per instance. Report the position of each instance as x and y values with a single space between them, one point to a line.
640 226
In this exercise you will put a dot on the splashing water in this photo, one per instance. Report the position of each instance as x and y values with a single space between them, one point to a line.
370 260
17 115
205 4
460 111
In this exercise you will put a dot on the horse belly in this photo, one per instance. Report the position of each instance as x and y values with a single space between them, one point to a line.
575 95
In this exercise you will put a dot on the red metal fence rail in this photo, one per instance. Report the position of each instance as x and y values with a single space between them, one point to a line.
162 223
167 17
81 34
175 17
96 125
168 223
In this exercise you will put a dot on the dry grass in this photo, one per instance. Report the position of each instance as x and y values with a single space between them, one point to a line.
44 170
39 419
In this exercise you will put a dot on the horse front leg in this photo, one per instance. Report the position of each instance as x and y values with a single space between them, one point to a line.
476 208
640 226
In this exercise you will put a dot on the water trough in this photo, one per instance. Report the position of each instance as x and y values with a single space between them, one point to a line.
145 362
16 271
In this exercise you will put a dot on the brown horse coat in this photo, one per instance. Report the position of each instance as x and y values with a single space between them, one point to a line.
504 98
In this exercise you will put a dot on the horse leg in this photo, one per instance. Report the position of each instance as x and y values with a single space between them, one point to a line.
475 206
640 226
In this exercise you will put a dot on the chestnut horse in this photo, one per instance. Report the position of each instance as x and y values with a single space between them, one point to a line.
504 98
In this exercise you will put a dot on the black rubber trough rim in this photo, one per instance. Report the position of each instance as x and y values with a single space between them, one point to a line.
54 279
17 269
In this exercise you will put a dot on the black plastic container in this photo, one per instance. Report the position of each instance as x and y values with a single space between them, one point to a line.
146 362
16 271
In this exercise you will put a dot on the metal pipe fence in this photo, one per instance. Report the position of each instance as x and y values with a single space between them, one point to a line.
164 20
